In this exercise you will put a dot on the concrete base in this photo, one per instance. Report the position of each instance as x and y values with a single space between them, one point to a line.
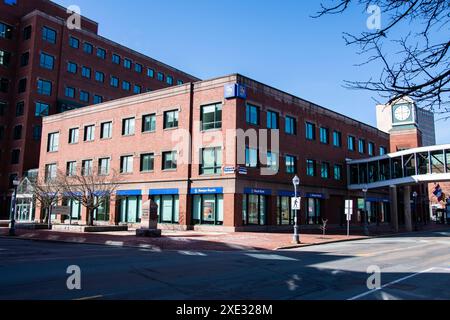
79 228
149 233
31 226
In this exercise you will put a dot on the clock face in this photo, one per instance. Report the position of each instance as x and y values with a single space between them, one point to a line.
402 113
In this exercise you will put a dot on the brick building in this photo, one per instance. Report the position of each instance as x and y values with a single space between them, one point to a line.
46 68
205 182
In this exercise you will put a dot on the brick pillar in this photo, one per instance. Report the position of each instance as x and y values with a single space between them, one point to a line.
272 210
394 207
84 218
114 211
232 210
185 210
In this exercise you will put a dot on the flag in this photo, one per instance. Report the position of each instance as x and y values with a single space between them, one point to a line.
438 193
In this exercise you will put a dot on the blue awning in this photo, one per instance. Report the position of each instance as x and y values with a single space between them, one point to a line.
207 190
129 192
157 192
265 192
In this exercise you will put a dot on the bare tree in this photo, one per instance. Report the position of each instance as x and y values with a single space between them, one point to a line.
92 188
418 62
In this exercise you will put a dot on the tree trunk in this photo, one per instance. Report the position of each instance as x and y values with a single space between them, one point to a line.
49 218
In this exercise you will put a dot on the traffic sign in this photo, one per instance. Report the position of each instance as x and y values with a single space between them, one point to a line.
296 203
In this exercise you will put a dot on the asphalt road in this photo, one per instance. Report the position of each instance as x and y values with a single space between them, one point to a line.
411 268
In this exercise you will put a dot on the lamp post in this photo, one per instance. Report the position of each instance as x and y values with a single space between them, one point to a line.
296 237
12 223
415 194
366 216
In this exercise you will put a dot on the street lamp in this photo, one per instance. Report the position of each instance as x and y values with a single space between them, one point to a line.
296 238
12 223
366 216
415 194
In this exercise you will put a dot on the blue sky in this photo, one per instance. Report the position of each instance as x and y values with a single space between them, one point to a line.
275 42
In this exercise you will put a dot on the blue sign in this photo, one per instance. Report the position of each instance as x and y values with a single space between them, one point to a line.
129 192
229 170
371 199
266 192
217 190
315 195
284 193
235 90
158 192
242 170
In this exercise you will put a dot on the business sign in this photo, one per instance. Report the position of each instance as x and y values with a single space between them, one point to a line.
129 192
229 170
235 90
296 203
158 192
258 191
242 170
285 193
315 195
216 190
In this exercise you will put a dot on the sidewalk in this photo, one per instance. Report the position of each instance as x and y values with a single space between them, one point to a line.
191 240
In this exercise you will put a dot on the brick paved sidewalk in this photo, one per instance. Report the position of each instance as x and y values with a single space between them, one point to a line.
189 240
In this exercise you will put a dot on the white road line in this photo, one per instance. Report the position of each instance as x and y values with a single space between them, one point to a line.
391 283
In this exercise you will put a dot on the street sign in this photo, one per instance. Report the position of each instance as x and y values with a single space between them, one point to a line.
348 213
296 203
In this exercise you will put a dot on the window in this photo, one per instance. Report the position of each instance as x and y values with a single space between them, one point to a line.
150 73
53 142
128 126
272 120
180 82
291 164
371 148
127 63
74 135
37 132
325 170
20 108
99 76
5 58
41 109
290 126
211 161
351 143
84 96
149 123
74 42
103 166
338 172
24 59
211 116
272 161
383 151
171 119
310 168
70 92
138 67
160 76
86 167
207 209
15 156
337 139
27 33
147 162
361 146
137 89
5 31
116 59
22 87
106 130
101 53
71 168
324 135
71 67
44 87
310 131
86 72
130 209
169 160
50 171
169 80
97 99
17 133
4 85
126 85
88 48
252 114
89 133
114 82
3 106
126 164
251 157
254 209
48 35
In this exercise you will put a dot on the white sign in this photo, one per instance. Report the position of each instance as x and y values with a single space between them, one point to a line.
349 209
296 203
61 210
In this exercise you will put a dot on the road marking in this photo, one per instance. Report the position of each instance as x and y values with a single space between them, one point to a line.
391 283
371 254
270 257
89 298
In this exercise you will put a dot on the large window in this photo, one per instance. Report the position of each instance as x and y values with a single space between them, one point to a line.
50 171
116 59
351 141
254 209
89 133
103 166
128 126
101 53
126 164
313 215
114 82
285 215
102 211
169 80
150 73
272 120
74 42
383 151
84 96
86 72
49 35
361 146
22 87
211 161
44 87
147 162
291 164
97 99
71 168
169 160
149 123
168 208
15 156
24 59
20 108
310 131
252 114
337 139
87 167
324 135
47 61
127 63
69 92
160 76
5 31
53 142
71 67
325 170
338 172
138 67
17 132
290 125
106 130
27 33
211 116
137 89
5 58
208 209
126 85
4 85
41 109
371 148
310 168
88 48
251 157
171 119
130 209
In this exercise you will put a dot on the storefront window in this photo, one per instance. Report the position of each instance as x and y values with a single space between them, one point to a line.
313 211
102 212
284 212
254 209
75 208
208 209
168 208
130 209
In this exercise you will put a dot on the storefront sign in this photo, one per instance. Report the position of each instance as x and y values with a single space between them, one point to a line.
229 170
157 192
315 195
217 190
129 192
242 170
267 192
235 90
284 193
